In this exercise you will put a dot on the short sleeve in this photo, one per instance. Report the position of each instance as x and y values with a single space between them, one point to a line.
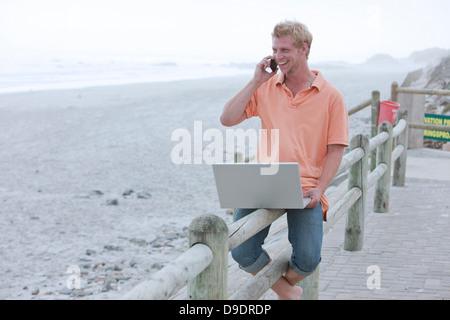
338 122
251 108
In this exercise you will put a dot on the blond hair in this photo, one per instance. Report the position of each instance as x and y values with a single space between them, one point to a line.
298 31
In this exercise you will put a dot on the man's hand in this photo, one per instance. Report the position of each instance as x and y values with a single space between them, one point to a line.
234 111
261 75
315 194
331 165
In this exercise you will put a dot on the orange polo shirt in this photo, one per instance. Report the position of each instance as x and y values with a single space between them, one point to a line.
307 124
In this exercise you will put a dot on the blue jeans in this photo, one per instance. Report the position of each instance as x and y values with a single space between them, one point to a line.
304 233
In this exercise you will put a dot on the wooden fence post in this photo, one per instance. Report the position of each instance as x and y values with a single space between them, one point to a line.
394 93
384 155
310 286
400 164
374 125
354 230
211 284
414 104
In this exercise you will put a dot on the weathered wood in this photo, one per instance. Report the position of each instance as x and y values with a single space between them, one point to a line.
400 127
265 278
210 284
375 175
384 154
167 281
374 124
414 105
423 91
399 175
349 160
397 152
354 230
423 126
310 286
262 281
413 100
360 107
340 208
276 241
394 93
243 229
377 141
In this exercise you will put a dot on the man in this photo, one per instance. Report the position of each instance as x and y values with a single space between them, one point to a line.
312 120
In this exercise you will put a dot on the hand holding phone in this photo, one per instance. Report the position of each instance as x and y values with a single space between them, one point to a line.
273 65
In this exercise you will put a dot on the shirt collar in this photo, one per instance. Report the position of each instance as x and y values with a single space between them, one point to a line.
280 79
318 81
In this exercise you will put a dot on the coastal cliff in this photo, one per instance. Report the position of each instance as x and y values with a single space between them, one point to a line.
433 77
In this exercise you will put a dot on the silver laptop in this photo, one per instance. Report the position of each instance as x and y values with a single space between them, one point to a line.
241 185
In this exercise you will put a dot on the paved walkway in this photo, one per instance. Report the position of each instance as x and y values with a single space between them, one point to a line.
406 252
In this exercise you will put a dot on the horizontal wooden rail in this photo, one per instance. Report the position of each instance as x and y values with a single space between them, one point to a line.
424 126
244 228
397 152
398 129
173 277
360 107
383 136
341 207
376 174
423 91
378 140
261 282
350 159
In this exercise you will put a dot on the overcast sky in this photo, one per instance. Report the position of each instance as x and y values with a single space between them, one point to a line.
238 30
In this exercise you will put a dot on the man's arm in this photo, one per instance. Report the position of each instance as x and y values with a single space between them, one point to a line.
234 110
332 162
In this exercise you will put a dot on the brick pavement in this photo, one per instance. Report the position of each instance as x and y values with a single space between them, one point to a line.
410 245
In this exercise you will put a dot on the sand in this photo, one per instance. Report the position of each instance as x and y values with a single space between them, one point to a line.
65 153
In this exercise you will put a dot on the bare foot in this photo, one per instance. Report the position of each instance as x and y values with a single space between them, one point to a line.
286 291
294 293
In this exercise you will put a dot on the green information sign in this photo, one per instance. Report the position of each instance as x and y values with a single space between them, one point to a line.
436 119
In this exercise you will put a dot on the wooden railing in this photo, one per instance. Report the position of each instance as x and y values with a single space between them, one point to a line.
203 267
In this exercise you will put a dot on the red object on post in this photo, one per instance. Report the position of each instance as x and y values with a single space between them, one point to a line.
388 112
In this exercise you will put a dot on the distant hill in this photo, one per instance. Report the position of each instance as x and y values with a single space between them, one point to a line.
427 57
382 59
416 60
381 62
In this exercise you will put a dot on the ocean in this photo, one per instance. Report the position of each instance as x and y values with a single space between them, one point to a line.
26 72
23 72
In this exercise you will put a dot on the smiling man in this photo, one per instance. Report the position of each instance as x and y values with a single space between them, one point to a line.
312 120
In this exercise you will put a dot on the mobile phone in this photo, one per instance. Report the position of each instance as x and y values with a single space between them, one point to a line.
273 65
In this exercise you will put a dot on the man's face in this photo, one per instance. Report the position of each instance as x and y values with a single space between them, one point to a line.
286 54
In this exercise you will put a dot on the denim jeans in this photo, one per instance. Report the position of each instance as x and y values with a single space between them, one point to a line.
304 233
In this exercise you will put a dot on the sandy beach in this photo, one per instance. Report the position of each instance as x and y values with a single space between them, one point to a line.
87 184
